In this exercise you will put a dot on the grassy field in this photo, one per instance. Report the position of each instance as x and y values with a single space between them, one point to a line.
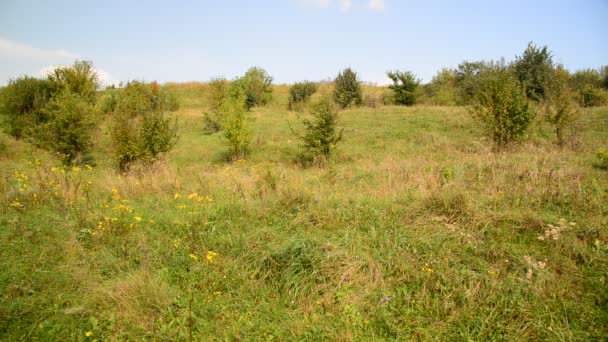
417 230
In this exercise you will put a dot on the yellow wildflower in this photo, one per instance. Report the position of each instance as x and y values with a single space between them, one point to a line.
211 255
76 169
88 334
137 218
193 257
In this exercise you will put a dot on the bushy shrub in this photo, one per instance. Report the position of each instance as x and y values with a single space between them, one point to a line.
589 96
602 157
217 94
80 78
255 86
533 69
21 102
467 80
442 89
300 93
141 129
501 106
69 127
237 126
321 132
347 90
560 110
404 86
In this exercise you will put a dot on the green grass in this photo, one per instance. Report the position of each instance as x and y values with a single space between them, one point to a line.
416 230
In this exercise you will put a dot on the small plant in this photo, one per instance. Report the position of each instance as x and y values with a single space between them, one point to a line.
237 127
347 90
300 93
321 131
559 107
69 127
500 105
404 86
255 86
218 93
141 130
602 156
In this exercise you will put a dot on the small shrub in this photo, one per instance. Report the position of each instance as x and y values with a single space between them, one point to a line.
69 127
404 86
589 96
141 130
559 107
347 90
321 131
255 86
442 89
237 127
500 105
300 93
467 80
602 156
217 94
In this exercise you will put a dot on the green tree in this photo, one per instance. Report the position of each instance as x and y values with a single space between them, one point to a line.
533 69
467 80
442 89
219 92
255 86
347 90
560 110
404 86
80 78
237 126
321 130
501 106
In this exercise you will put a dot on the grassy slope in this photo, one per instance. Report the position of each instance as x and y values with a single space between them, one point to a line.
416 231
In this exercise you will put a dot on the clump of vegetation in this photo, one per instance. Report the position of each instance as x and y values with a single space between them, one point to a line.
321 131
69 127
442 88
300 93
590 86
533 70
255 86
347 90
501 106
217 94
404 86
559 107
467 80
80 78
141 129
602 157
237 127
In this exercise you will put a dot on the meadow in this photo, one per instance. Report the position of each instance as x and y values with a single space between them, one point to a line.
417 229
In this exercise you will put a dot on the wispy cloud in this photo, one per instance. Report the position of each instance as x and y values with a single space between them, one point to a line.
345 5
376 5
13 49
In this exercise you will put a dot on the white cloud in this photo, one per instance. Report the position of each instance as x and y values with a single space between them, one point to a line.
345 5
376 5
317 3
17 50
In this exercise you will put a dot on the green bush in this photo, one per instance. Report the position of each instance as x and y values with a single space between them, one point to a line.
533 69
320 131
219 91
69 127
141 130
501 106
560 110
300 93
347 90
21 102
442 89
467 80
404 86
237 126
589 96
255 86
80 78
602 156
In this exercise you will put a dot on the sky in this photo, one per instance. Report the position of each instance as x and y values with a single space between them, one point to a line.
294 40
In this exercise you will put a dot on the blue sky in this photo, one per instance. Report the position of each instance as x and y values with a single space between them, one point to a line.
292 39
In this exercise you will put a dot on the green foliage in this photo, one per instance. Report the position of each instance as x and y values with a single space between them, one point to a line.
590 96
218 92
347 90
604 76
300 92
533 69
321 131
21 102
501 106
560 110
588 84
69 127
141 130
80 78
404 86
255 86
467 80
602 157
237 126
442 89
